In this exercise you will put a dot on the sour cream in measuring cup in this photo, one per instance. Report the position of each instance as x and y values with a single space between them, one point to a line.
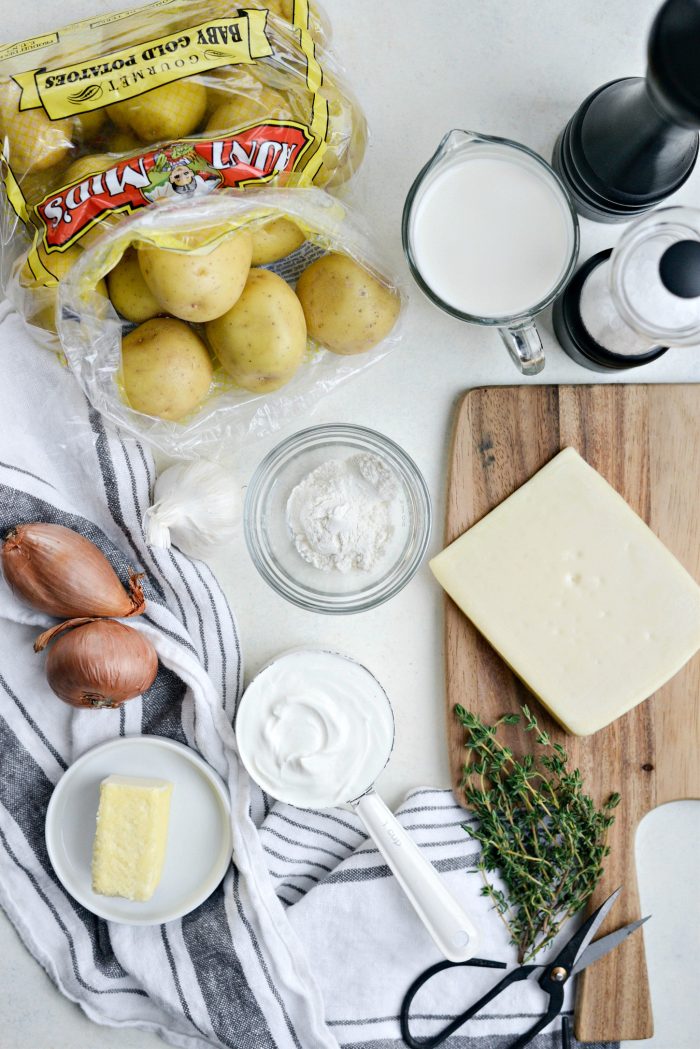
315 729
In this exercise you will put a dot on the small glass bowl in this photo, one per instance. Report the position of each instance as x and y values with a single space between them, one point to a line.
271 546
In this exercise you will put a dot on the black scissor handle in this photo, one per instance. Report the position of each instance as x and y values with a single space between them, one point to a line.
430 1043
556 1003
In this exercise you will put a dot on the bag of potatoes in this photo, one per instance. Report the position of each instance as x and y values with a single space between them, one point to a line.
174 101
214 323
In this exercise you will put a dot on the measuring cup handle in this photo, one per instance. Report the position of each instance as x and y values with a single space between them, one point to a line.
442 915
525 347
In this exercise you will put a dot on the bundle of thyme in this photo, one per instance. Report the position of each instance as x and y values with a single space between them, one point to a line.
536 827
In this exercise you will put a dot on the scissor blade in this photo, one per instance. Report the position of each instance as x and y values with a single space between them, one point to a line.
572 951
595 951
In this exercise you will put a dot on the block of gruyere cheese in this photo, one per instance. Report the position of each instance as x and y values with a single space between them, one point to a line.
576 593
132 833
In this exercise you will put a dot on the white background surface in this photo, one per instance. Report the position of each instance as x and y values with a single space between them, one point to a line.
516 68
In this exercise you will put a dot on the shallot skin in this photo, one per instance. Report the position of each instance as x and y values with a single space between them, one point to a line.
60 572
101 665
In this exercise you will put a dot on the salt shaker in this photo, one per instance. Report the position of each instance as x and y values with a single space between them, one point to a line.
626 307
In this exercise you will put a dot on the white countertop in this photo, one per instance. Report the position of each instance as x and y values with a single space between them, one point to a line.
516 68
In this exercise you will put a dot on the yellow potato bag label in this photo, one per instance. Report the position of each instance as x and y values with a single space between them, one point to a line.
130 72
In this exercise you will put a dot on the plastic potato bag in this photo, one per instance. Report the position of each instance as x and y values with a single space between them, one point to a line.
176 100
91 331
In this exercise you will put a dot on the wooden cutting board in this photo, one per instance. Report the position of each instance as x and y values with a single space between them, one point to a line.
645 440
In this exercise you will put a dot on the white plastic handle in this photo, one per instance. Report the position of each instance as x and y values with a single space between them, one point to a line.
442 915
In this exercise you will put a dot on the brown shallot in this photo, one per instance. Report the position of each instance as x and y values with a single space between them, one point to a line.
59 571
101 664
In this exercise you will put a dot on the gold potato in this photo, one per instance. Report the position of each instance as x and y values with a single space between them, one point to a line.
283 8
274 240
58 264
228 83
198 287
123 141
167 112
36 185
117 113
128 290
33 141
92 164
242 109
261 341
346 138
88 124
346 308
96 232
166 369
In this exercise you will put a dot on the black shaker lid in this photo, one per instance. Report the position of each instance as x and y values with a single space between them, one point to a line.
574 336
674 66
679 269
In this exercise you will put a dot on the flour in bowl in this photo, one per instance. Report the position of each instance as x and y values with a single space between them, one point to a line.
340 515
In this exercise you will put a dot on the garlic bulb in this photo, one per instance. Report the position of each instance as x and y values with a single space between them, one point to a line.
196 508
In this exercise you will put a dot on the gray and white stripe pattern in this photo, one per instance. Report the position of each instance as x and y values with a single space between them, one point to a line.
308 943
233 972
367 944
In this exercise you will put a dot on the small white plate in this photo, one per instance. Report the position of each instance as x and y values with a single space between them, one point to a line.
199 834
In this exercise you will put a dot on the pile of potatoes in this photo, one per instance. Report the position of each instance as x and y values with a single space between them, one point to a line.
196 308
46 155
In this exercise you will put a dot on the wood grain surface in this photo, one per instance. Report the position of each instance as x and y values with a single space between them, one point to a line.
645 440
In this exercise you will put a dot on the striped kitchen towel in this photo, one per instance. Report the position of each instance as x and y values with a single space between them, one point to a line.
308 943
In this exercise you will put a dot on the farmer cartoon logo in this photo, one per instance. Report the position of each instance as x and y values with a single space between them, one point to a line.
180 171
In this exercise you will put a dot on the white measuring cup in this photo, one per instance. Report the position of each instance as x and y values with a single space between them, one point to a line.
315 729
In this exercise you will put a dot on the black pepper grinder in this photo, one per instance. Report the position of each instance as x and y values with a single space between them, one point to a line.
634 141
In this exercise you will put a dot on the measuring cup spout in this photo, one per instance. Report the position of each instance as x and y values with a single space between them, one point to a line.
441 914
452 142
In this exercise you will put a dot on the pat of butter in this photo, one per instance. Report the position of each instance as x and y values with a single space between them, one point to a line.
132 833
576 593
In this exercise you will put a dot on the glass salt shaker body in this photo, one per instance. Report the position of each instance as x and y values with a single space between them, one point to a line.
626 307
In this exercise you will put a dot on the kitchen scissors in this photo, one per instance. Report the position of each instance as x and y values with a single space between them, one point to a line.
576 955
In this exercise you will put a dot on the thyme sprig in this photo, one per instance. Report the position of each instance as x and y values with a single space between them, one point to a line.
536 827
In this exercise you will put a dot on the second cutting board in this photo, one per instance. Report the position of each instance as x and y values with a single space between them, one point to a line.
645 440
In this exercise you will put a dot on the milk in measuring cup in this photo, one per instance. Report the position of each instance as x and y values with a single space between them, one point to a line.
491 233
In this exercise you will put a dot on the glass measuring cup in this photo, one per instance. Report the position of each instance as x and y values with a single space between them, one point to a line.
491 237
272 712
